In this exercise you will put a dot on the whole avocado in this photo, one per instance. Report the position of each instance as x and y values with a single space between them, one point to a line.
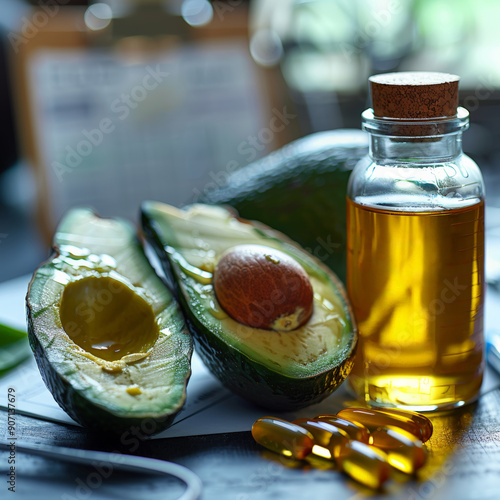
300 190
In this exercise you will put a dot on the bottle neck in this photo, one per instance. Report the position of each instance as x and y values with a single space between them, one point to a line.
416 150
415 141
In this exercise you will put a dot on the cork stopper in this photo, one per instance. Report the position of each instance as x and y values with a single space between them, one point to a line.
414 95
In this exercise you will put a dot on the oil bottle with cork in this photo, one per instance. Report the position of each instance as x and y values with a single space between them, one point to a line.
415 258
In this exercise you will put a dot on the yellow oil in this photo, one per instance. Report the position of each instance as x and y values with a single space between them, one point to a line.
416 284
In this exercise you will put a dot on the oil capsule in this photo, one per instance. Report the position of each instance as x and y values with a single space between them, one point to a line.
422 421
404 451
373 419
281 436
353 429
364 463
327 437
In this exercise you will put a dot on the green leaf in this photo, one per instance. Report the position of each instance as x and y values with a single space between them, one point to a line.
14 348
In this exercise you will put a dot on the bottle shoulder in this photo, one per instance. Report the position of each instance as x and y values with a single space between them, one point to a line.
404 185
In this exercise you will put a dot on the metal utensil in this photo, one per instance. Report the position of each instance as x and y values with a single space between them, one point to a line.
117 460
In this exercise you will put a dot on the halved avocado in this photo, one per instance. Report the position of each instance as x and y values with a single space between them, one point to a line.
276 370
108 337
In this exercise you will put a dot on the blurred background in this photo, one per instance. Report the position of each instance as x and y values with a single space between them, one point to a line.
113 102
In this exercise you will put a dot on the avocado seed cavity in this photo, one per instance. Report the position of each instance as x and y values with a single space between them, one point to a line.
107 319
264 288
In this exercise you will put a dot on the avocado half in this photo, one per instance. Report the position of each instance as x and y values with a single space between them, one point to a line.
109 339
276 370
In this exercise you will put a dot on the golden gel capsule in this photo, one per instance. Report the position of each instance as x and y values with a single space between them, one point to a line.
353 429
404 451
373 419
327 437
364 463
422 421
283 437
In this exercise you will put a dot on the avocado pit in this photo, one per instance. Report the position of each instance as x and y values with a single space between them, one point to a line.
261 287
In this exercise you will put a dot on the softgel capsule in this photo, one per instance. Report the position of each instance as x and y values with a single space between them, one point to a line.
412 422
355 430
283 437
327 438
404 451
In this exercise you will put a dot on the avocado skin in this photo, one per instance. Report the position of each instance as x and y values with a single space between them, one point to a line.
109 421
82 410
300 190
255 382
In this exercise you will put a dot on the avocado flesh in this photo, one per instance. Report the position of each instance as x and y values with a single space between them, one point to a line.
319 353
117 322
109 339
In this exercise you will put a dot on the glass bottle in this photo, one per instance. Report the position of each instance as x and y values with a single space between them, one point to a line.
415 258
